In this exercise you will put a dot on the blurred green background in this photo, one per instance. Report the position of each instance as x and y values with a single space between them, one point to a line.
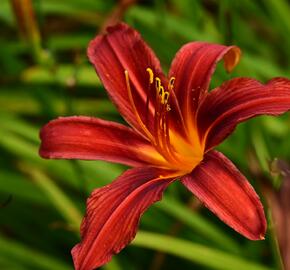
44 73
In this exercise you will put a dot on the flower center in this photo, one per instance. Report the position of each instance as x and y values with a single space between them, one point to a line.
177 152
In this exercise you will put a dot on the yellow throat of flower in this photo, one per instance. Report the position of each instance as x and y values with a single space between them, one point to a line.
174 151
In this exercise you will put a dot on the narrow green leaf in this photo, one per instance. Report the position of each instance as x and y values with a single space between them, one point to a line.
61 202
19 186
86 75
27 256
199 254
198 224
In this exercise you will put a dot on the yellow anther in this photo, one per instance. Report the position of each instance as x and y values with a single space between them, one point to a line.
164 97
158 83
160 91
171 83
151 75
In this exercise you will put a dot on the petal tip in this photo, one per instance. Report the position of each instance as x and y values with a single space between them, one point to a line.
228 194
92 48
95 43
117 27
259 225
232 58
42 153
113 214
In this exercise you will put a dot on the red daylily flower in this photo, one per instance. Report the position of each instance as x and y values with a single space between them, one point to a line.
174 125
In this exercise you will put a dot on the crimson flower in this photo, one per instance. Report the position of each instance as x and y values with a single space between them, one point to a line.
174 125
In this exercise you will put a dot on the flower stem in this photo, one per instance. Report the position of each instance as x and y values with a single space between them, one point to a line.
28 28
274 243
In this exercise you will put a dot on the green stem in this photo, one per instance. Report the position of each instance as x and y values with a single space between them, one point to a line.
29 29
274 243
261 149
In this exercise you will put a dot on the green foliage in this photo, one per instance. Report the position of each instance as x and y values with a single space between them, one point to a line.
39 225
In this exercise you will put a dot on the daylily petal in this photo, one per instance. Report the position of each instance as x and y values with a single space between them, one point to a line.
88 138
238 100
193 67
228 194
122 48
113 214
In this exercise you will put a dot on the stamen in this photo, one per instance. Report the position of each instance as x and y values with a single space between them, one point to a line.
165 98
151 75
161 125
139 120
171 83
157 83
165 139
160 91
151 80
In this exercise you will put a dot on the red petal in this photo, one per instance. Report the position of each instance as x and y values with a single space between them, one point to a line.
227 193
113 214
193 67
238 100
119 50
91 138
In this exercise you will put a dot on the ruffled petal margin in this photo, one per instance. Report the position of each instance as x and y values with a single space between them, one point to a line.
193 67
122 48
236 101
81 137
113 214
228 194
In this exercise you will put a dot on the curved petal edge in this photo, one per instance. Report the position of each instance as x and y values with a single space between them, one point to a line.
123 49
113 214
228 194
236 101
193 67
88 138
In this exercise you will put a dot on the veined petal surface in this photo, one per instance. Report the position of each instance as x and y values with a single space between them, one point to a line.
228 194
122 48
81 137
236 101
193 67
113 214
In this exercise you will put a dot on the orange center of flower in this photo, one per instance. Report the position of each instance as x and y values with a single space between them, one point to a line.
174 151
